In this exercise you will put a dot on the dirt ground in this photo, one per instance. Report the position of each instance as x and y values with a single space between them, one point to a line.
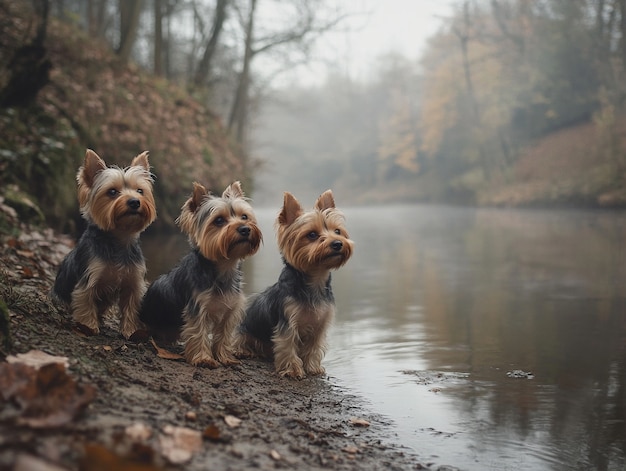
119 405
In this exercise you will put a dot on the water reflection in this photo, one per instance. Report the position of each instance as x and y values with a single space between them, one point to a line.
438 304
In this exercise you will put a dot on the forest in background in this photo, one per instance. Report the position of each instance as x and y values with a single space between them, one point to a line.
512 103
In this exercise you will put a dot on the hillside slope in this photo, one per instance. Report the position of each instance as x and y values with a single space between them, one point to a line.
94 101
583 165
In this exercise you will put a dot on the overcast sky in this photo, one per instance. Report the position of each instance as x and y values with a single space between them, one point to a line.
377 27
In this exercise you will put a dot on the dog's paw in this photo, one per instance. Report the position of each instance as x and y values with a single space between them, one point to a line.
139 336
229 361
315 370
206 363
293 373
244 354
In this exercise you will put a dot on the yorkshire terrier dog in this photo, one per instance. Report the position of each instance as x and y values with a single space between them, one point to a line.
200 301
107 266
290 319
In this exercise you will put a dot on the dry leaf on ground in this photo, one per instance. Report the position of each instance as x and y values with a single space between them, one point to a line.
178 444
138 432
165 354
37 359
232 421
359 422
99 458
47 397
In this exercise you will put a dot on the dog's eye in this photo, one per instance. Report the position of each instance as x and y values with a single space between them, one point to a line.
244 217
312 235
338 231
219 221
112 192
140 191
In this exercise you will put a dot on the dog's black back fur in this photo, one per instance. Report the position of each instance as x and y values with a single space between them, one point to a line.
94 243
166 298
266 309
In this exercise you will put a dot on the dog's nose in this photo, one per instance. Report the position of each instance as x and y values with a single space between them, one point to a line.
336 245
244 231
133 203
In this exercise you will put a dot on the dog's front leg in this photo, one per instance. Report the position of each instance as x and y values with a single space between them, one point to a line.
196 335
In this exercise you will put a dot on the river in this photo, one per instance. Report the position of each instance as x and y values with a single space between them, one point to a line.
493 339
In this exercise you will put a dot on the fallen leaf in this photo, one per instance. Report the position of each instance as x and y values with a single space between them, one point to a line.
232 421
351 450
47 397
178 444
191 416
13 378
37 359
107 348
357 422
138 432
99 458
212 432
275 455
54 398
165 354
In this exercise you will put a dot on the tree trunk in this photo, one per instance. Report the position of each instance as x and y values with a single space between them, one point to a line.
29 66
202 73
96 18
129 23
622 26
237 121
464 38
158 37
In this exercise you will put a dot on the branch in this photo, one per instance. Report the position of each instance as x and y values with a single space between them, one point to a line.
298 35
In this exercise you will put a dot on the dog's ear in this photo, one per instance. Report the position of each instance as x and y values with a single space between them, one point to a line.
141 161
198 195
290 211
92 165
325 201
233 191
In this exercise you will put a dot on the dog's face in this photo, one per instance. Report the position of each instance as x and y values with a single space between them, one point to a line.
223 228
116 199
316 240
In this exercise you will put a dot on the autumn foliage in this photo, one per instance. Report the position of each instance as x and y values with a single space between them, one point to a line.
94 100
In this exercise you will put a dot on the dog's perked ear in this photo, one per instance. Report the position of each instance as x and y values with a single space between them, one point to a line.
325 201
141 161
233 191
290 211
92 165
198 195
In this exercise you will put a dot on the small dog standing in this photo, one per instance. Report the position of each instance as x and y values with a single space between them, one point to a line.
201 300
290 319
107 265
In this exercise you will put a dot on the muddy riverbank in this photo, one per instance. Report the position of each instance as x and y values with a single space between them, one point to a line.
119 405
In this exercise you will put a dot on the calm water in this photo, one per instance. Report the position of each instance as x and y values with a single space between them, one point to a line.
439 304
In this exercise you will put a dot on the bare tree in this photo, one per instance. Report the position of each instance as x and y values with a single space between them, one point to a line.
96 17
158 37
129 22
302 33
204 67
